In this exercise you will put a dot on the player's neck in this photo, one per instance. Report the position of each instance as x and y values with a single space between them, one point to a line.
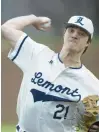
69 58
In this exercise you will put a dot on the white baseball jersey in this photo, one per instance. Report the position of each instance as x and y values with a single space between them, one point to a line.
49 92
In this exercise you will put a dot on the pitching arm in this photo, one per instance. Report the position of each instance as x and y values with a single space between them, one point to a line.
12 29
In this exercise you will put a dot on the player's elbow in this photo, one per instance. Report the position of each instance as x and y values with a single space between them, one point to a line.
6 26
5 30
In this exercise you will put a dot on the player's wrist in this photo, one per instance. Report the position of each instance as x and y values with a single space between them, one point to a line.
33 18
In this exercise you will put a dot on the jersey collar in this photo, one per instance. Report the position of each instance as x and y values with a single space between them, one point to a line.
69 67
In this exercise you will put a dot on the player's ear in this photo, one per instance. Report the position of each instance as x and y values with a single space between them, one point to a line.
64 30
88 43
89 40
85 49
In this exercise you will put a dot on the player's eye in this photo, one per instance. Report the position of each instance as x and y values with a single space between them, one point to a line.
71 30
82 34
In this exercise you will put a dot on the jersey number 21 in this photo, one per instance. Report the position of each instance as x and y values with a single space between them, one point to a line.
61 108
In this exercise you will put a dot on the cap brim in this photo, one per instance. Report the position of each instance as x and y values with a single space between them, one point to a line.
72 24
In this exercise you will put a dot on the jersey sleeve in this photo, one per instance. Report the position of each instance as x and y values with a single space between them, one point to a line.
24 51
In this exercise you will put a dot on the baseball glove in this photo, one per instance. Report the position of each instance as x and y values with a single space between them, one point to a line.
91 110
88 113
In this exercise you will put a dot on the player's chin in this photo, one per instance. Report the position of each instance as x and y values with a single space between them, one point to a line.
73 45
72 41
74 49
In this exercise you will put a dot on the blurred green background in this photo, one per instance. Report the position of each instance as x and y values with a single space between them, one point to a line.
8 128
59 11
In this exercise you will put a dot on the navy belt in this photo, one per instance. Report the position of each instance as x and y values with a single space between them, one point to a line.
18 128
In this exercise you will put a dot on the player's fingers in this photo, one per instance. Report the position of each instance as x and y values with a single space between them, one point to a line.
91 130
44 20
44 29
46 26
94 128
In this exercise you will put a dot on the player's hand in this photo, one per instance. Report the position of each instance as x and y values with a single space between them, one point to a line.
94 128
42 23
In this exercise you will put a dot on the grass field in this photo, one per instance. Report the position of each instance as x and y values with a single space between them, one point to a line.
7 128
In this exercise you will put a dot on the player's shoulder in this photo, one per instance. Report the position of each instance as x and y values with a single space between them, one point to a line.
46 52
37 46
88 74
41 49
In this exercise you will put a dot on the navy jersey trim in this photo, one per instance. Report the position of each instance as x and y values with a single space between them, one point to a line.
42 96
18 128
59 58
19 48
69 67
76 67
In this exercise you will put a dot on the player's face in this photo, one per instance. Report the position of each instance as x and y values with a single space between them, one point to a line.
75 39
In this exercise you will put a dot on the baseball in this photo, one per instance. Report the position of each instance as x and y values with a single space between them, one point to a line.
46 25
